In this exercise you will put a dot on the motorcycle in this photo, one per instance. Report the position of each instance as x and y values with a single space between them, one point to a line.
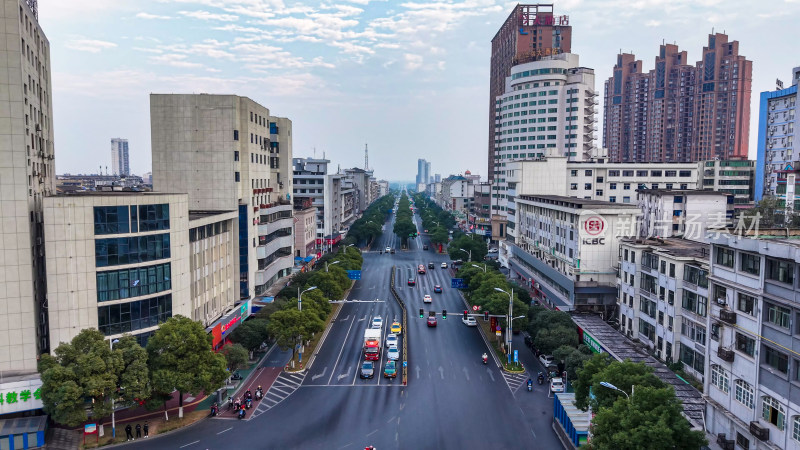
241 414
485 359
541 378
259 394
248 403
530 385
214 410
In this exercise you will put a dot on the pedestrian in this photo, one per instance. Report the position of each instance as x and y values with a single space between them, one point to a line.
146 429
138 430
128 432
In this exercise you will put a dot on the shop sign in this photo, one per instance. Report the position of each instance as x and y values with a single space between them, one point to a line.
592 343
20 396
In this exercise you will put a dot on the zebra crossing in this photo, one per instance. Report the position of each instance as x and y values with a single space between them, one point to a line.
515 380
283 387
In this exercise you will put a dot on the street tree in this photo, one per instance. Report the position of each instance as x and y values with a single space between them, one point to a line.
548 340
80 370
235 357
545 319
624 375
251 334
573 358
134 377
439 235
653 416
181 358
291 326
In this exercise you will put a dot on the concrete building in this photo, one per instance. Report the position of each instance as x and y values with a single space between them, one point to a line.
27 176
566 249
679 112
663 298
309 188
120 164
734 177
117 262
530 33
479 215
456 194
383 188
423 168
362 188
239 159
778 162
305 232
685 213
753 399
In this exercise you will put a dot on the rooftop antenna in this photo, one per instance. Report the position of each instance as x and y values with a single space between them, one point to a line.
366 157
315 152
101 170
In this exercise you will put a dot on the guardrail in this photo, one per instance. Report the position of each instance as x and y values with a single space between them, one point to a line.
405 327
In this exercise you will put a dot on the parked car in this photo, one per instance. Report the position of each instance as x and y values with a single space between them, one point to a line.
557 385
546 360
392 251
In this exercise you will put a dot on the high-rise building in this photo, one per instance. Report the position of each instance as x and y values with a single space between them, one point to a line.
428 175
239 158
119 157
677 111
778 162
529 33
309 188
27 175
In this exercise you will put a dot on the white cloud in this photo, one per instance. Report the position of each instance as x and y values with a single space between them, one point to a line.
89 45
413 62
175 60
144 15
652 23
205 15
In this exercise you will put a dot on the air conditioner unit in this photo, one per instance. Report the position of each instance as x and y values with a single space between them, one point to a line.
759 431
721 301
727 315
725 354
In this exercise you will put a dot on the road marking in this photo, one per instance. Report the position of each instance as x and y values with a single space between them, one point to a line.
345 319
314 378
393 417
466 374
345 445
344 375
491 375
417 369
350 328
376 430
227 429
190 443
441 371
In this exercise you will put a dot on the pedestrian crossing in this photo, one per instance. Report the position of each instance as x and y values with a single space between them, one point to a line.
284 386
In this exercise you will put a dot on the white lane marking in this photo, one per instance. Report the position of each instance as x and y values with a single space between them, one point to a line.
350 328
227 429
190 443
314 378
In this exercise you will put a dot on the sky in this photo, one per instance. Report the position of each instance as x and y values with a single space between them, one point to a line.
409 78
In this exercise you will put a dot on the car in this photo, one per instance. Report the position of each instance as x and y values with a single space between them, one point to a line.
396 328
412 281
529 341
470 321
390 370
367 369
437 289
377 323
391 340
388 249
546 360
430 265
427 299
444 265
557 385
421 269
393 354
425 247
392 251
431 321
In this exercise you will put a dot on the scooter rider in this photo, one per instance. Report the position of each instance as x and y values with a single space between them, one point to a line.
530 384
541 378
485 357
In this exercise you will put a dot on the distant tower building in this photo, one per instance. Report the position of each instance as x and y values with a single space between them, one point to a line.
427 173
119 157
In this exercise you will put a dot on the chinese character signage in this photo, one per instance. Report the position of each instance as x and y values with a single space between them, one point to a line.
592 343
20 396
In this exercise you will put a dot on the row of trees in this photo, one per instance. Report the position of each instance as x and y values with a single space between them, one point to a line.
481 281
403 225
434 219
83 378
368 226
648 411
554 333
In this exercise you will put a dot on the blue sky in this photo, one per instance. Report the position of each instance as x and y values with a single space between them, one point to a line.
408 77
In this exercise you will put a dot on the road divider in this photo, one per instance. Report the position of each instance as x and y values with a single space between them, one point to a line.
405 327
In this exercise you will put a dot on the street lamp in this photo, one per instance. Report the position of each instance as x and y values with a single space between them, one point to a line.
606 384
326 265
469 252
480 267
510 315
300 297
111 343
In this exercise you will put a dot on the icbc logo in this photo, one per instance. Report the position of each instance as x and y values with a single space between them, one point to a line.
594 225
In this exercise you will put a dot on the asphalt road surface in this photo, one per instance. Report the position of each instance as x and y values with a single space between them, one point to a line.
452 400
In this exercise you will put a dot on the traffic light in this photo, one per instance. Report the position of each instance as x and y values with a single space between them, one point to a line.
421 313
465 314
486 316
444 314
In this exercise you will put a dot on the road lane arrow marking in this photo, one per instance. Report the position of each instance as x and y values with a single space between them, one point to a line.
346 374
314 378
417 369
441 371
466 374
489 371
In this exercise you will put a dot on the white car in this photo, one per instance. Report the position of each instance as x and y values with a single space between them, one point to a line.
557 385
391 340
388 249
444 265
427 299
469 321
546 360
377 323
393 354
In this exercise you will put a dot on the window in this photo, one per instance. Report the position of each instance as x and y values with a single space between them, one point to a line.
613 173
772 411
693 331
235 135
746 304
236 155
573 186
775 359
745 344
695 275
782 271
744 394
695 303
672 270
127 317
685 173
154 217
627 173
127 283
641 173
750 263
626 186
236 176
671 173
612 186
131 250
691 358
587 186
796 428
719 378
111 220
777 315
724 257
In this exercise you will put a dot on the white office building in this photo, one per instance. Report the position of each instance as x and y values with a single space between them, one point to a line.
120 165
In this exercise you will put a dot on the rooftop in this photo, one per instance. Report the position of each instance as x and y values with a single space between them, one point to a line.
622 348
683 192
194 215
678 247
114 193
578 201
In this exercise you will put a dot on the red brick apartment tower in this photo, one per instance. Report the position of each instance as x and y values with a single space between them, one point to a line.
530 31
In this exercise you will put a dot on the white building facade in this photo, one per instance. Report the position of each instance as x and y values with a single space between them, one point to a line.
689 214
120 162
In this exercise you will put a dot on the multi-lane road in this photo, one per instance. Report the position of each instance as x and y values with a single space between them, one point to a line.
452 399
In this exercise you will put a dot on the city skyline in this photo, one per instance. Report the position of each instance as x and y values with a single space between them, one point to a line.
349 58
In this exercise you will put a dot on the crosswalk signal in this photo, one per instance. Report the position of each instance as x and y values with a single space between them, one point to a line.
421 313
465 314
444 314
486 316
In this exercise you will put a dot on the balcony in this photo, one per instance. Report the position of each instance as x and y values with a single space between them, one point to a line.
726 315
725 354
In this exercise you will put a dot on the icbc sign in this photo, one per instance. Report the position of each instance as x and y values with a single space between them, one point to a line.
594 226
